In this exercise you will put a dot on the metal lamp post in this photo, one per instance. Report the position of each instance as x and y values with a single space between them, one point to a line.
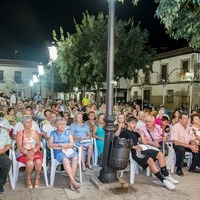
107 174
115 83
164 91
53 56
40 75
35 80
31 85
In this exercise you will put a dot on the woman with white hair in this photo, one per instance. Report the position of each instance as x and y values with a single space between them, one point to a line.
82 137
62 143
28 151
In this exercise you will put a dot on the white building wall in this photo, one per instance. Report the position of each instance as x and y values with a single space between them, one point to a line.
180 85
8 84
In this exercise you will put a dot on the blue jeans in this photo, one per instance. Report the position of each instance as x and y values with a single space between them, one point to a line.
5 164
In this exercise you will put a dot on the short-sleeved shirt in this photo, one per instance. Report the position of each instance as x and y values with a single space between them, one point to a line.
80 131
182 134
61 139
48 128
86 101
134 136
4 123
156 133
4 138
141 157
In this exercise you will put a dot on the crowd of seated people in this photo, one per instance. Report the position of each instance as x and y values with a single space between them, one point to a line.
61 126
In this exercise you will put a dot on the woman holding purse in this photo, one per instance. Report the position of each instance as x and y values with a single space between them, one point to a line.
62 143
28 151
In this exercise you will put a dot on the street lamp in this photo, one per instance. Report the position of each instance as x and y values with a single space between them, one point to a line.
53 56
143 81
40 75
35 80
31 85
76 92
115 83
107 174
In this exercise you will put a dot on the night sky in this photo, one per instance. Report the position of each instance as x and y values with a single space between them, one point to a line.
26 25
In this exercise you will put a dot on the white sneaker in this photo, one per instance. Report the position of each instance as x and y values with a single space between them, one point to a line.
168 185
172 180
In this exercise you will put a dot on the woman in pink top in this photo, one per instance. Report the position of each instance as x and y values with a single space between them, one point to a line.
158 119
28 151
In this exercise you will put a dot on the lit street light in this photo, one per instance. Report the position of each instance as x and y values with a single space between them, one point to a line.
40 75
53 56
31 85
35 80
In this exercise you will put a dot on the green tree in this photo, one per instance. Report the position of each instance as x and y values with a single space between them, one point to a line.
82 56
181 19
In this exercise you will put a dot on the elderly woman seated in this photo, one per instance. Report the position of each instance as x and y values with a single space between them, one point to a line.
82 137
28 151
62 143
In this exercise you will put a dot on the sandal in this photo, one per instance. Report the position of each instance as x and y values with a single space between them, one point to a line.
29 184
71 188
89 166
83 170
76 187
37 183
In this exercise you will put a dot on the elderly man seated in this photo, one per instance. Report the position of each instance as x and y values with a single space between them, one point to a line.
155 136
5 162
184 140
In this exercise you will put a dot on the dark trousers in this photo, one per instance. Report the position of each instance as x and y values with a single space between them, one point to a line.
180 155
5 164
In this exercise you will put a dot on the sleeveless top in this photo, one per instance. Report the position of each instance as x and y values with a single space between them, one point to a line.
28 142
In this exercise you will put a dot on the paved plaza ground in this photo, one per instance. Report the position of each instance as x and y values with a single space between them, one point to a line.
145 188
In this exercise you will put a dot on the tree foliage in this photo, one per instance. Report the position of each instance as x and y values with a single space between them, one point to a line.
82 56
181 18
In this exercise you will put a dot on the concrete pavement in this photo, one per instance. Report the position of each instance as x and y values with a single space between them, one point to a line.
144 188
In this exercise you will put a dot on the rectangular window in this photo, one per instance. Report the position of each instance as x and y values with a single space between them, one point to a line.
163 73
170 96
18 76
135 95
135 79
2 76
185 65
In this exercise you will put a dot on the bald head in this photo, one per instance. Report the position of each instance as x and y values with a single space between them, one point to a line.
149 120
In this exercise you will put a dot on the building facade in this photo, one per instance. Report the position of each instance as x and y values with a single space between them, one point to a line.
174 81
15 76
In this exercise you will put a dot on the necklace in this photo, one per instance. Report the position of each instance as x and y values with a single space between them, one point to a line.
28 134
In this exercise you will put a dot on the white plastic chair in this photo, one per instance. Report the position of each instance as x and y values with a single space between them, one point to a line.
188 156
17 165
95 150
10 174
134 169
94 153
55 163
